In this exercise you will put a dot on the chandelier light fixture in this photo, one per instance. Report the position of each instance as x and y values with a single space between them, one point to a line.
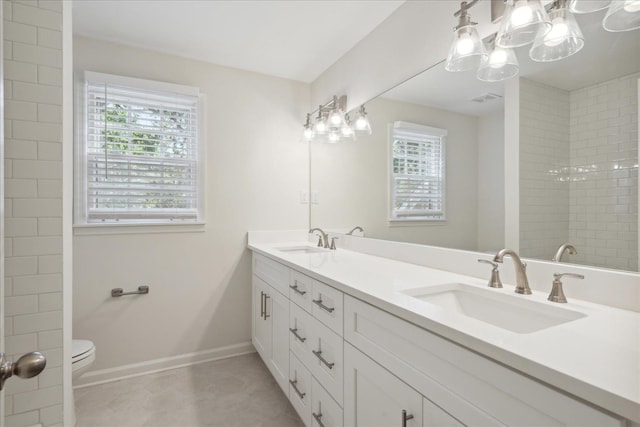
553 33
333 124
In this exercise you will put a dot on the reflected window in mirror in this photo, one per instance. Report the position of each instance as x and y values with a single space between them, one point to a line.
417 155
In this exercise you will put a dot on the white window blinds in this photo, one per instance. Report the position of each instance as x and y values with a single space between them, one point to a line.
141 153
417 172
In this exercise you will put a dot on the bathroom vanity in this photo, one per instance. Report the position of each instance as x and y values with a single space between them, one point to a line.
355 339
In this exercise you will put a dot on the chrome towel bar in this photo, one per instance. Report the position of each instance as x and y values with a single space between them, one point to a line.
118 292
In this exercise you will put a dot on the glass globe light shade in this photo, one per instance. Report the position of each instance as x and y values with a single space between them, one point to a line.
564 39
587 6
522 22
467 50
501 64
622 15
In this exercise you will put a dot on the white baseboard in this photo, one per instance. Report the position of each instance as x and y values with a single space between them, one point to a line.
163 364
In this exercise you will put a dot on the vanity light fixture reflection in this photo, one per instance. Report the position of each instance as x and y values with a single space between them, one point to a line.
308 132
467 50
500 64
362 122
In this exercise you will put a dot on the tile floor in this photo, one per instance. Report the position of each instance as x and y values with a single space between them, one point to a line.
238 391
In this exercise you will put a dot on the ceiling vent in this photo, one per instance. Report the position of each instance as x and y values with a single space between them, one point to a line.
486 97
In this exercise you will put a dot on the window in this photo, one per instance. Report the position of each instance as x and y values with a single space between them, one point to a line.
417 187
138 152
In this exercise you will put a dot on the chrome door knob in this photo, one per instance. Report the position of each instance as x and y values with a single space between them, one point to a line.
27 366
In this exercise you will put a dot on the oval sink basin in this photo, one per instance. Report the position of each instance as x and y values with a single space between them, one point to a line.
511 312
301 249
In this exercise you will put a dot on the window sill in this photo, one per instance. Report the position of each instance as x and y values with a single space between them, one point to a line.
101 229
417 222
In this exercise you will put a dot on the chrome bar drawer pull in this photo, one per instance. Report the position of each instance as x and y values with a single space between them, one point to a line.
296 290
266 297
319 356
295 388
262 304
405 418
319 303
295 334
318 418
119 292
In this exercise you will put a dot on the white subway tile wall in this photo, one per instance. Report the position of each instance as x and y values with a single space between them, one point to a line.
604 173
544 169
579 172
33 205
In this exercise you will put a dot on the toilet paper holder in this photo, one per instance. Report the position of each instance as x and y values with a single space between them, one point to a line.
119 292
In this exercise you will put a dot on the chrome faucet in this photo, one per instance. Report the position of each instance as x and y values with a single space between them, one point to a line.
357 227
323 242
522 283
557 294
565 247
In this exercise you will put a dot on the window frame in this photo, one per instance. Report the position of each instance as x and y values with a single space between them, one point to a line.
157 224
416 219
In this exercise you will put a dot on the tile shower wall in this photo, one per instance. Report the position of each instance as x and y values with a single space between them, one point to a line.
33 201
544 169
604 173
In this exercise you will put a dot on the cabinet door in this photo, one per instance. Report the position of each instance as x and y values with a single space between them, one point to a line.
261 337
375 397
278 312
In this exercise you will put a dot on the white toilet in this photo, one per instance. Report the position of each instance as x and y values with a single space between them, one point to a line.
84 354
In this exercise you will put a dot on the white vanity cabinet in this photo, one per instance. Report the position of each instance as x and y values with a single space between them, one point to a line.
304 352
344 362
471 389
270 328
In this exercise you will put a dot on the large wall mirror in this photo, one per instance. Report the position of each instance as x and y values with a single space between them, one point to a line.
577 167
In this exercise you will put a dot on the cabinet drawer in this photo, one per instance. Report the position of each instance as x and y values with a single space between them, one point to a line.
300 388
301 289
301 334
327 306
460 381
325 412
327 359
272 272
433 416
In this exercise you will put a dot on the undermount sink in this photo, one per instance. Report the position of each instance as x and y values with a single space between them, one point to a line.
301 249
511 312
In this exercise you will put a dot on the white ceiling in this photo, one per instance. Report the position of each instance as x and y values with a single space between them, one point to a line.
295 39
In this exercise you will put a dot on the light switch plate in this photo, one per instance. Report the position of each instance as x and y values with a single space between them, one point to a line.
304 197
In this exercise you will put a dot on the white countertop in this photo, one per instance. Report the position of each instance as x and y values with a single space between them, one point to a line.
596 358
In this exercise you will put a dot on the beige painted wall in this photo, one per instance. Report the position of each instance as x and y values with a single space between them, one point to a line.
199 282
352 179
491 182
